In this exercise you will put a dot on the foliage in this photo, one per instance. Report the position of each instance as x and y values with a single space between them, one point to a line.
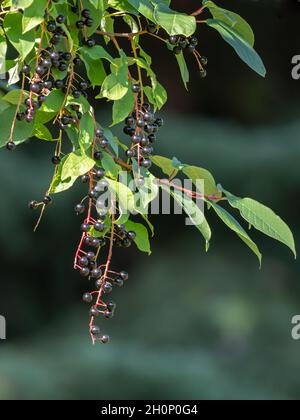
45 43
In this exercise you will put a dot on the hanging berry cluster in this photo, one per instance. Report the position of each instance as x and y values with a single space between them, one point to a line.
67 53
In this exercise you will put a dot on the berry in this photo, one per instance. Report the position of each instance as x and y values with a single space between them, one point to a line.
98 155
107 287
191 48
146 163
100 173
20 116
144 142
56 160
108 314
99 226
61 19
130 121
129 131
204 61
32 205
159 122
63 67
47 63
76 93
51 27
47 200
124 275
86 13
95 330
131 235
89 22
203 73
136 139
79 209
94 312
67 56
36 88
90 42
87 297
105 339
77 61
96 273
119 282
140 123
59 84
11 146
26 70
54 56
148 116
104 143
84 272
136 88
111 306
194 41
173 40
83 262
130 153
83 85
80 24
99 133
48 84
55 39
91 256
85 227
85 179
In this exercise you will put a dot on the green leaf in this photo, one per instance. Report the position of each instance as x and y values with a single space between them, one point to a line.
192 210
42 132
57 184
174 23
115 86
234 225
86 131
3 51
144 7
142 236
123 107
34 15
13 96
195 173
111 167
53 102
165 165
76 165
184 71
149 190
22 132
244 50
23 43
95 69
263 219
233 20
125 199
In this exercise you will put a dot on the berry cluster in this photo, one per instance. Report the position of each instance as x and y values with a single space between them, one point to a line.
142 126
96 235
43 77
182 43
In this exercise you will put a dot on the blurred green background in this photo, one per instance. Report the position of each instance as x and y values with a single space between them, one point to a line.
189 325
